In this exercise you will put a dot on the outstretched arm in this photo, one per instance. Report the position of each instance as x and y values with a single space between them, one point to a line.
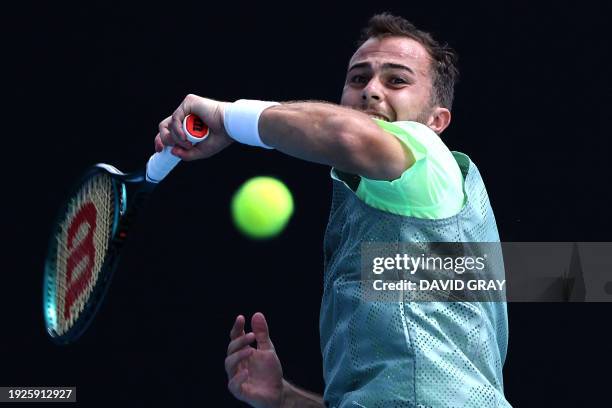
334 135
318 132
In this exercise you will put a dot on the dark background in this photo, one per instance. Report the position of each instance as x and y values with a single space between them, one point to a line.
89 83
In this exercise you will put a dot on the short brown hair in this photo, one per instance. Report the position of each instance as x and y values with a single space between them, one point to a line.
444 72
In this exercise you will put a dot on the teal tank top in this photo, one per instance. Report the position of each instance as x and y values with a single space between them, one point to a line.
402 353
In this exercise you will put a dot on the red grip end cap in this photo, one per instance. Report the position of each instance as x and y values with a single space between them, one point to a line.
196 127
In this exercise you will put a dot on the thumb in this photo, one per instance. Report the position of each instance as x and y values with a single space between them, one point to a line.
262 334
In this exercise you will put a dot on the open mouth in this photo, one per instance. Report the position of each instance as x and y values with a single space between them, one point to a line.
373 114
376 115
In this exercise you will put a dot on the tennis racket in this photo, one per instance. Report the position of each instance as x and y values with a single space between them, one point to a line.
88 235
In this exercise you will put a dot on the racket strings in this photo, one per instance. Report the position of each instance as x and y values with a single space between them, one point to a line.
82 242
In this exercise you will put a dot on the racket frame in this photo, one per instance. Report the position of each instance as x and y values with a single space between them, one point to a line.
122 219
158 167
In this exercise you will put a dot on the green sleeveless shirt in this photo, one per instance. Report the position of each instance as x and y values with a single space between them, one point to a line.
403 353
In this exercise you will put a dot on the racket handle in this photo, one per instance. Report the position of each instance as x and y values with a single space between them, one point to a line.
162 163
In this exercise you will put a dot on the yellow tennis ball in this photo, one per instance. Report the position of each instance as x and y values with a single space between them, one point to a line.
261 207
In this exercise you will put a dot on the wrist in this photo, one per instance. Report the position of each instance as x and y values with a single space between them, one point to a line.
292 396
241 121
284 397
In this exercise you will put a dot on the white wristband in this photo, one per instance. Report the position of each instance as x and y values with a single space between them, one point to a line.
242 118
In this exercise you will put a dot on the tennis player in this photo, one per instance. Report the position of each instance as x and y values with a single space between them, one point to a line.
394 180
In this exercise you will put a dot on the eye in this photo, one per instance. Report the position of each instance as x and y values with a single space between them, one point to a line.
358 79
398 81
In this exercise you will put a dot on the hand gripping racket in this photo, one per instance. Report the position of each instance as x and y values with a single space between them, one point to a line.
89 233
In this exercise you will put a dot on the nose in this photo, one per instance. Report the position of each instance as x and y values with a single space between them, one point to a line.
372 92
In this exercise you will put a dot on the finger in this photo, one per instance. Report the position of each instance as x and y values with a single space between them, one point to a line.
165 136
164 132
240 342
233 360
159 145
262 333
238 330
176 127
236 383
164 123
177 139
238 327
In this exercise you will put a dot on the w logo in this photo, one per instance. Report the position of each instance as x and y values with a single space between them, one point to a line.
82 252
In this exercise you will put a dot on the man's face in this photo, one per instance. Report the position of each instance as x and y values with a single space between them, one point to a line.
389 78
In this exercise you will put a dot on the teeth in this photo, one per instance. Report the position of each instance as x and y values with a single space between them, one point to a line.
378 117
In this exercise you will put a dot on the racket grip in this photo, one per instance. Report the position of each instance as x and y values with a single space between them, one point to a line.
162 163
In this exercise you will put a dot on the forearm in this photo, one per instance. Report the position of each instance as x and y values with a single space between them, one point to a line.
294 397
328 134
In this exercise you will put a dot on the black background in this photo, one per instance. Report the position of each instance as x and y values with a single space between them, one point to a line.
89 83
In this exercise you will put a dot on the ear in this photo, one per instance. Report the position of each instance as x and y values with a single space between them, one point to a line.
439 119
